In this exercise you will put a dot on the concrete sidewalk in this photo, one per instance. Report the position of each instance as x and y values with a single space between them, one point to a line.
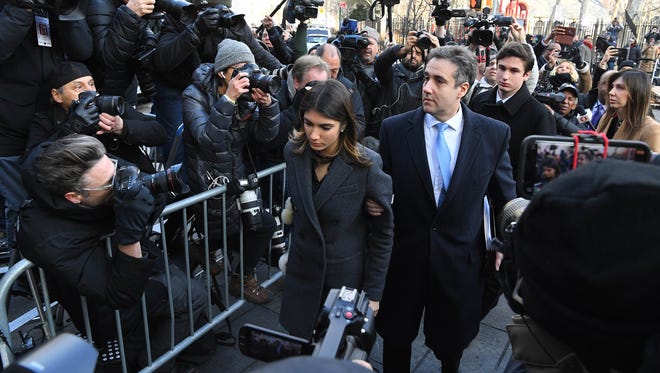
489 352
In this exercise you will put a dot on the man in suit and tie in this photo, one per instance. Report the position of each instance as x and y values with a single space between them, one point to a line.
443 159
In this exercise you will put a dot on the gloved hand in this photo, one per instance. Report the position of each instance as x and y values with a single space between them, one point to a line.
206 21
83 116
577 60
133 206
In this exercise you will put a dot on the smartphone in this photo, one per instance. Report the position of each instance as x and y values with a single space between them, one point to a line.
567 37
545 158
269 345
622 53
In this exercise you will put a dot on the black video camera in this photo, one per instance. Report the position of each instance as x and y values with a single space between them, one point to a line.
258 79
166 181
302 10
482 24
569 53
545 93
442 13
345 330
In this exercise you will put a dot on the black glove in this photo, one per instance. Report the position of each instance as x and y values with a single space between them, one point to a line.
577 60
133 206
83 116
206 21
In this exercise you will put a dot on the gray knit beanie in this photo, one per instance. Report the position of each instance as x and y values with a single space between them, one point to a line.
231 52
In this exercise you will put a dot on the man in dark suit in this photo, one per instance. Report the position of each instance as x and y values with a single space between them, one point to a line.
440 174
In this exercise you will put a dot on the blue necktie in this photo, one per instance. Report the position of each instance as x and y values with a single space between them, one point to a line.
444 159
597 113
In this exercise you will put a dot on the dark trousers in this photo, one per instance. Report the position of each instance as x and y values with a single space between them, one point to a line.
255 242
396 358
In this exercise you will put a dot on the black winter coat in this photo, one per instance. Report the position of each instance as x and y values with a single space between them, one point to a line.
24 66
401 88
524 115
139 130
116 31
68 241
180 51
215 141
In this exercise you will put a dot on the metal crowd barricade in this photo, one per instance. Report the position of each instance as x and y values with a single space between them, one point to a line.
194 333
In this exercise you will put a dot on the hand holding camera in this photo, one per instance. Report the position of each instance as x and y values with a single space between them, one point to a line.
261 98
133 206
238 85
112 124
83 116
578 61
207 21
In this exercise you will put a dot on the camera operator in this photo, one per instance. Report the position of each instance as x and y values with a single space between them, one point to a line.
365 80
589 301
402 81
74 109
279 45
32 41
565 113
572 70
223 115
120 30
78 197
185 43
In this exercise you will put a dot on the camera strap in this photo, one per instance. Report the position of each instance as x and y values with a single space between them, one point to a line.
582 134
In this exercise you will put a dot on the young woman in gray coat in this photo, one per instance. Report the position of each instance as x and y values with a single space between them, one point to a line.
335 242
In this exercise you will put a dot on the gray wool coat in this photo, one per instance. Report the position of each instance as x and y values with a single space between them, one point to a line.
334 240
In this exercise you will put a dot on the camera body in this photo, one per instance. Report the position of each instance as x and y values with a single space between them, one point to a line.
546 93
345 330
423 41
441 13
166 181
483 26
267 83
248 202
302 10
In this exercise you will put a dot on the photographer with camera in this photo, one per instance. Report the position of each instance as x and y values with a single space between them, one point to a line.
187 40
76 107
78 196
223 114
285 50
402 81
33 39
567 117
567 68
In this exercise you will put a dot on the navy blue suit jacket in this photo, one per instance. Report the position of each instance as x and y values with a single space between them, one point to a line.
437 253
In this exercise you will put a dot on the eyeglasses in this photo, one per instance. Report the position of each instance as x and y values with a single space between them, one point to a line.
107 186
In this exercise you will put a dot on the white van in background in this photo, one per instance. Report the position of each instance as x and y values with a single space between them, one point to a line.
317 35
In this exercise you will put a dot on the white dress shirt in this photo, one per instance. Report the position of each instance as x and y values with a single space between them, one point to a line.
452 135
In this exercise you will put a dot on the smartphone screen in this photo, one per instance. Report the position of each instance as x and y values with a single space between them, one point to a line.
269 345
545 158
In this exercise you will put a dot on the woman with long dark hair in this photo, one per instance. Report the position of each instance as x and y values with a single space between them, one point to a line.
335 242
627 115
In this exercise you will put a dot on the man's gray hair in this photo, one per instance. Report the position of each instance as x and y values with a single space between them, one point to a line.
464 60
305 63
62 165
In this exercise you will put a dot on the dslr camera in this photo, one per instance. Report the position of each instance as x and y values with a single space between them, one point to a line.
302 10
258 79
423 41
248 202
167 181
345 330
113 105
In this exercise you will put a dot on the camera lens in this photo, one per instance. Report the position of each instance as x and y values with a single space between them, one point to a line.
113 105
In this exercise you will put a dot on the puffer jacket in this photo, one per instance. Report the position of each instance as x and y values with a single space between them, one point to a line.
215 141
180 51
116 30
